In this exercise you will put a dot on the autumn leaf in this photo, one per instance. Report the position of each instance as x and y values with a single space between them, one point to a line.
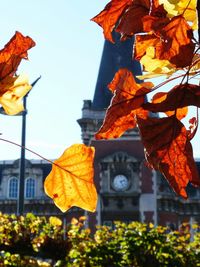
70 182
179 96
13 52
188 9
168 149
180 113
172 42
155 67
142 42
12 90
156 19
110 15
125 104
127 25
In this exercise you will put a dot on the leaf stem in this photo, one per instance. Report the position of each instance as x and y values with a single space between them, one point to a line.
48 160
27 149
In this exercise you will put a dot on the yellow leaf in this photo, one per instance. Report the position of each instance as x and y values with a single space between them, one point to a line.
181 7
156 67
188 10
12 90
70 182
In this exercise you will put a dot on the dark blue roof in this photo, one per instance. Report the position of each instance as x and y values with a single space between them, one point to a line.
114 57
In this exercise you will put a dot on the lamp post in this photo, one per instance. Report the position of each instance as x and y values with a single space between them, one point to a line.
20 203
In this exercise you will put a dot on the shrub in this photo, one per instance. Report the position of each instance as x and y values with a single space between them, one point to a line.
37 241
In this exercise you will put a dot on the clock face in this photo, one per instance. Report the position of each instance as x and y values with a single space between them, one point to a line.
120 182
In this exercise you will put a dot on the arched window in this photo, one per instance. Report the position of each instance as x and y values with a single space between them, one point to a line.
30 188
13 188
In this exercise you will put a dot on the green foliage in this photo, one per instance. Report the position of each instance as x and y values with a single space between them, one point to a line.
36 241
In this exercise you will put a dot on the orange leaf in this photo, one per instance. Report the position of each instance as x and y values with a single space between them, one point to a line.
110 15
180 96
156 19
70 183
168 149
125 104
142 42
151 23
177 45
180 112
135 12
13 52
172 42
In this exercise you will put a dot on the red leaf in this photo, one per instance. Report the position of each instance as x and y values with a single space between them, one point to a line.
127 25
172 42
168 149
110 15
13 52
125 104
179 96
180 112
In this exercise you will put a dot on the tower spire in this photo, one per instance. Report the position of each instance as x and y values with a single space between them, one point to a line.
114 57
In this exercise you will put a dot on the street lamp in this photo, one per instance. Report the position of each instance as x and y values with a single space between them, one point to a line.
20 203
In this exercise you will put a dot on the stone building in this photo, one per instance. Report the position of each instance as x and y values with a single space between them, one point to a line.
127 189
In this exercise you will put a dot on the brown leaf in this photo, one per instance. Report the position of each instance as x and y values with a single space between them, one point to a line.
156 19
135 12
151 23
177 45
13 52
70 183
179 112
110 15
125 104
180 96
168 149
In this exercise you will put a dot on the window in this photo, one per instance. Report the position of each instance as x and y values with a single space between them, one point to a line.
30 188
13 188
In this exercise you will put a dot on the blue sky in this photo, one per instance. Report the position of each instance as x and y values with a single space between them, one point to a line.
67 56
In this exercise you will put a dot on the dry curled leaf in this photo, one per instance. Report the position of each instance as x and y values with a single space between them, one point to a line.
13 88
168 149
108 17
13 52
70 182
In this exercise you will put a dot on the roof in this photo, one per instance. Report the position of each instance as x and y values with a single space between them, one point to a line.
114 57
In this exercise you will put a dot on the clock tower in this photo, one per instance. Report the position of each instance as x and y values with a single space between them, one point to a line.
126 188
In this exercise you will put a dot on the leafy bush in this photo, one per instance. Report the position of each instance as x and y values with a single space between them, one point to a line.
36 241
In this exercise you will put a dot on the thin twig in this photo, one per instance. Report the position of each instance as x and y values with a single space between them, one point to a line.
48 160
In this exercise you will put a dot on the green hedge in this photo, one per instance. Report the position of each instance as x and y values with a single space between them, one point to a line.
36 241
